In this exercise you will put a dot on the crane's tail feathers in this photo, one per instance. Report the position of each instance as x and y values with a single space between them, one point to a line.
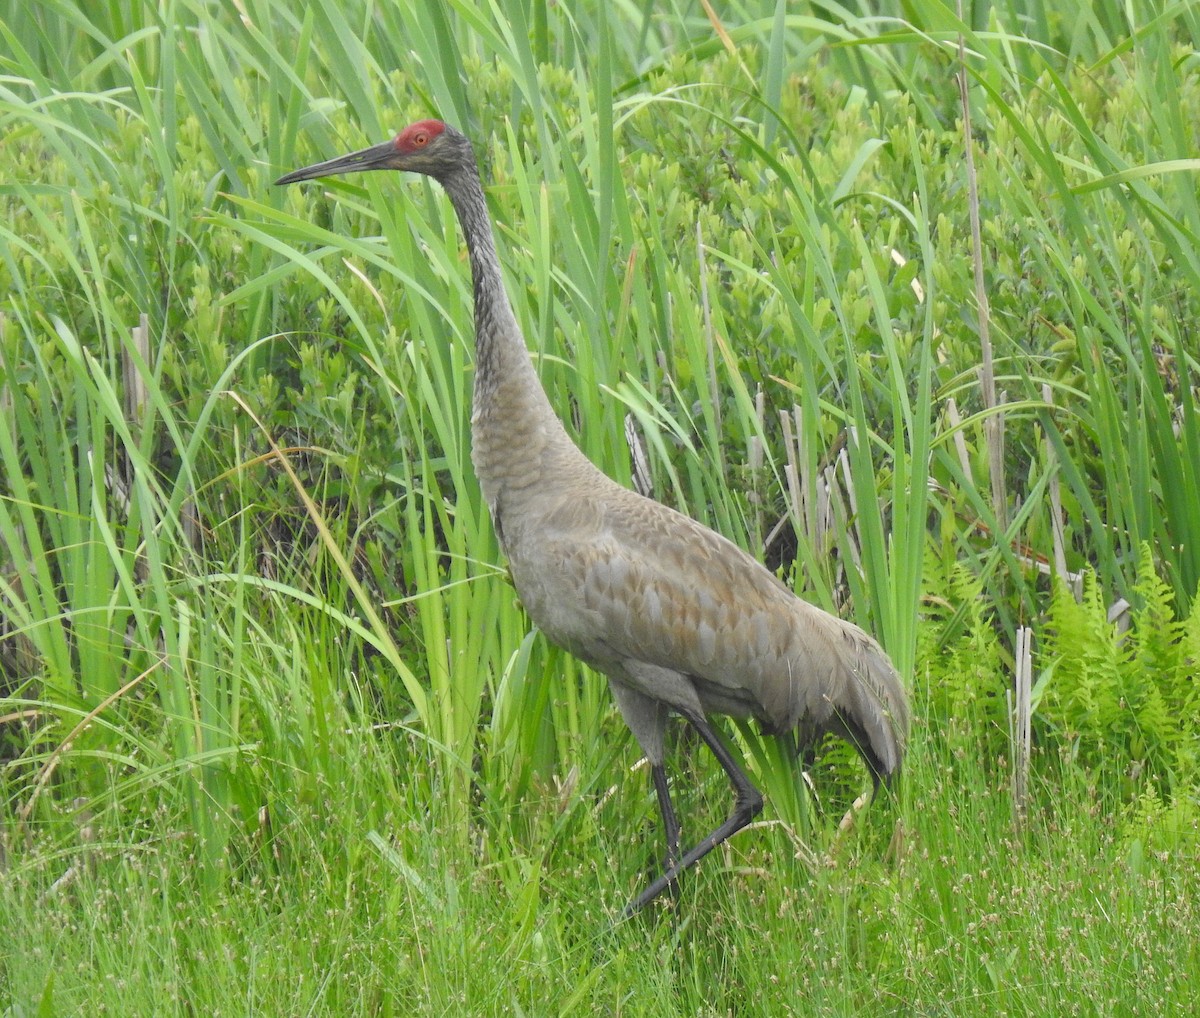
845 729
868 708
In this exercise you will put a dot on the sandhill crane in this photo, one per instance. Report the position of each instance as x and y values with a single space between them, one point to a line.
678 618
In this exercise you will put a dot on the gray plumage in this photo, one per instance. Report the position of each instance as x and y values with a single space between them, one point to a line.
677 617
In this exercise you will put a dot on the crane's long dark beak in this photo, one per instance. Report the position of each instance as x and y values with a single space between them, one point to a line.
377 157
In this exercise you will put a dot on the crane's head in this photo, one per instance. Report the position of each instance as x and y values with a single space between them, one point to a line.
428 147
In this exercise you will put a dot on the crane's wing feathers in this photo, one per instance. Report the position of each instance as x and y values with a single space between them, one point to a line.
660 591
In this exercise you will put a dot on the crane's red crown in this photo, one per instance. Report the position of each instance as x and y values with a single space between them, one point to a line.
416 136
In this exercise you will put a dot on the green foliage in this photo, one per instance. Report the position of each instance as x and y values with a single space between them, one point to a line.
257 634
1154 826
1125 704
959 659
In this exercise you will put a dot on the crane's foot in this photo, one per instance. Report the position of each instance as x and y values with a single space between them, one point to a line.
670 865
749 805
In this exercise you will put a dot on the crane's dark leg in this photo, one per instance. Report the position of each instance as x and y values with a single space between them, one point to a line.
748 805
670 824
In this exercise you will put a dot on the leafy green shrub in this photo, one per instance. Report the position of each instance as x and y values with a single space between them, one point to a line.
1126 705
959 658
1152 825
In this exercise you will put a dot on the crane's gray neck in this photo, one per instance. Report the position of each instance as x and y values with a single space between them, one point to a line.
517 442
499 346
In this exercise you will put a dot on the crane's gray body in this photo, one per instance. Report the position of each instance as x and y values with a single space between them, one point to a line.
677 617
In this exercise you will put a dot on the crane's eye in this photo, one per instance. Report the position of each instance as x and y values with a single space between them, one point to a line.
420 138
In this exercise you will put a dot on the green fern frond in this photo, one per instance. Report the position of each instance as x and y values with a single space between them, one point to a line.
1156 632
959 651
1125 703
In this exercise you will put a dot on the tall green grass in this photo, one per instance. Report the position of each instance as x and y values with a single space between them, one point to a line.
259 631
